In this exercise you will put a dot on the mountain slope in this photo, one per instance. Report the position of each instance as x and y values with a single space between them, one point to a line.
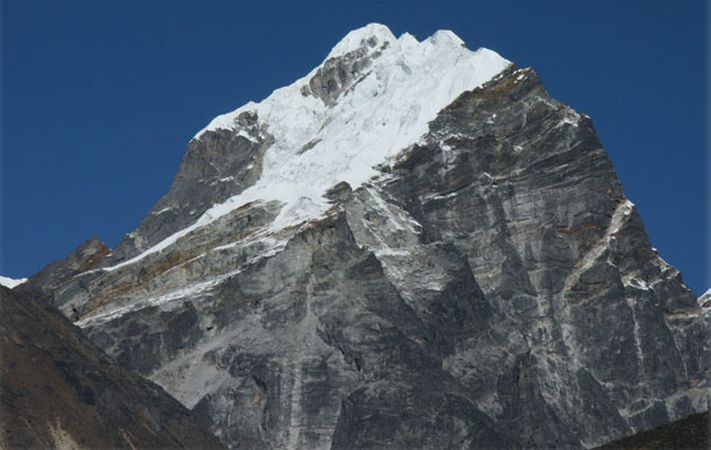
58 391
413 246
691 433
11 282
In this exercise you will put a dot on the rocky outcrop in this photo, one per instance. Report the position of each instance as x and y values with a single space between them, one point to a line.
488 287
340 73
88 256
58 391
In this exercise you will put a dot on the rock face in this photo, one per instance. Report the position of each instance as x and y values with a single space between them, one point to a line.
48 283
58 391
214 168
487 285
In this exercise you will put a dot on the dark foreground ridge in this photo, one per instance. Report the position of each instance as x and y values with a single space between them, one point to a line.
691 433
58 391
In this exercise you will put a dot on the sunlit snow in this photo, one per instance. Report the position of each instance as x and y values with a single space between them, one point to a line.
386 112
11 282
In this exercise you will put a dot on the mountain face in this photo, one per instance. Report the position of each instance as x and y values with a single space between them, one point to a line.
414 246
58 391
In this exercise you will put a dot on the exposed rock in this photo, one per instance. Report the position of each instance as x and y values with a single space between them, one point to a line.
341 73
214 168
705 299
58 391
46 284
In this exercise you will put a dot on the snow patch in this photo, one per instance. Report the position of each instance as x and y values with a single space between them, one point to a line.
705 299
161 211
570 118
247 136
637 283
11 283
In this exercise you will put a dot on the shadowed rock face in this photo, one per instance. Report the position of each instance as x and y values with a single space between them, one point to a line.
490 288
58 391
690 433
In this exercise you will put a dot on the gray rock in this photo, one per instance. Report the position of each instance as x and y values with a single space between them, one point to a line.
339 74
215 167
84 259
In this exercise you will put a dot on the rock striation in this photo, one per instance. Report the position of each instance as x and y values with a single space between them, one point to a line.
414 246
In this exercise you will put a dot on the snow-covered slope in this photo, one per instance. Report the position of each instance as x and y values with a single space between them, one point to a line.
705 299
11 282
404 83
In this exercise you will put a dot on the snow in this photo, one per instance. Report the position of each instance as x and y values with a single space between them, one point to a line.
384 113
164 210
570 118
11 282
445 196
637 283
352 41
247 136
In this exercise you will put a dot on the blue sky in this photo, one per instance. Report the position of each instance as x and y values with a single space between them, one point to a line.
99 98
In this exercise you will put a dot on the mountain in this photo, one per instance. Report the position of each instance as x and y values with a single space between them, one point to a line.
413 246
58 391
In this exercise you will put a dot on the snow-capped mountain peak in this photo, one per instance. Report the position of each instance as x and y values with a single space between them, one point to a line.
372 97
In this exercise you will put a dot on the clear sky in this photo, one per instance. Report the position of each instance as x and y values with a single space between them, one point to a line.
99 98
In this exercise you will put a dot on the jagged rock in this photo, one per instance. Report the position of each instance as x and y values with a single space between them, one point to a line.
217 166
58 391
488 285
87 256
48 283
